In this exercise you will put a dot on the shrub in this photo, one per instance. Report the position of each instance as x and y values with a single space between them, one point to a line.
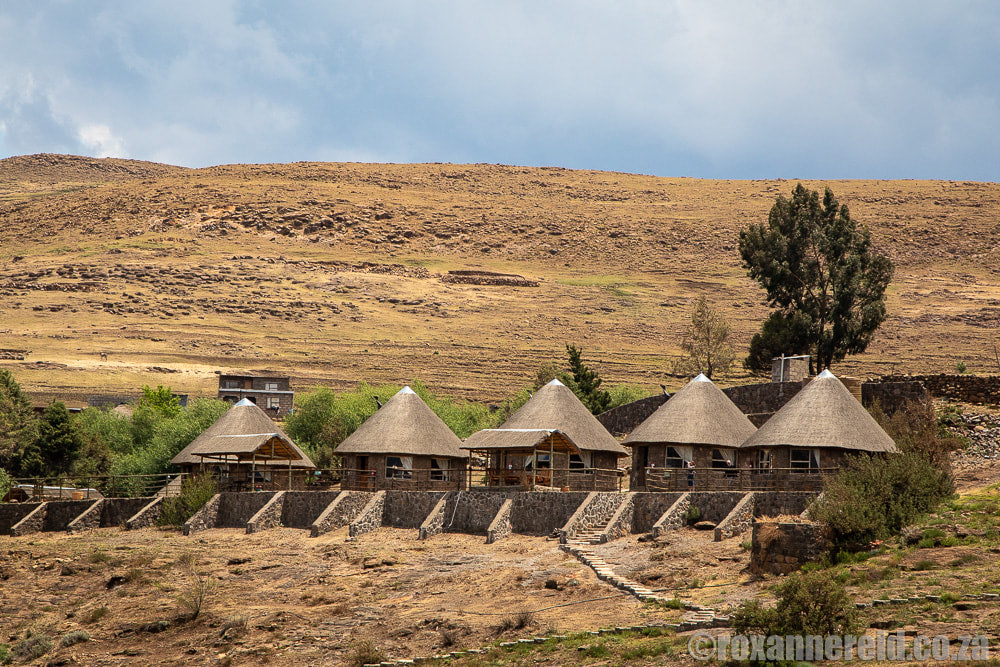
194 597
874 496
195 492
922 565
809 603
516 621
693 515
5 483
365 653
96 614
74 637
5 654
32 648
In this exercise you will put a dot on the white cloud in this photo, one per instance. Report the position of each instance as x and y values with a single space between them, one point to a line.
100 142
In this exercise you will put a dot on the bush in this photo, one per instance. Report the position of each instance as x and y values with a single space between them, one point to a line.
195 595
195 492
5 483
5 654
874 496
74 637
32 648
809 603
365 653
693 515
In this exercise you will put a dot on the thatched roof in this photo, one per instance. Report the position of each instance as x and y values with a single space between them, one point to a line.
520 438
245 432
405 426
555 407
698 414
823 414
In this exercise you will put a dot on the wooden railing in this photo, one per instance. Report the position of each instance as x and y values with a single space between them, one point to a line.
734 479
87 487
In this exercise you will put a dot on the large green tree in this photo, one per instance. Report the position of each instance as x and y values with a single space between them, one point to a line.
59 444
818 266
586 382
18 426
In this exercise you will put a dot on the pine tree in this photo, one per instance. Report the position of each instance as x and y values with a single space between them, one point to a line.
59 444
587 383
18 425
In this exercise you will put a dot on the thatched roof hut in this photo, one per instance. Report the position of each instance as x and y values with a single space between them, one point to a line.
405 425
553 408
823 415
244 433
699 414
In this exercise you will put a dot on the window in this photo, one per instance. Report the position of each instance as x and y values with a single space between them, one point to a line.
399 467
674 458
576 462
231 384
764 459
273 403
270 386
439 469
719 459
804 460
543 462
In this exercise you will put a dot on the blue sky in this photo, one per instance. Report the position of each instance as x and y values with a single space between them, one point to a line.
726 89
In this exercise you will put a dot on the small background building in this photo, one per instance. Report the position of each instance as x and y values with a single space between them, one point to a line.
273 394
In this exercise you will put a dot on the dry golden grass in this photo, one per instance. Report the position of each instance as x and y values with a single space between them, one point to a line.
330 254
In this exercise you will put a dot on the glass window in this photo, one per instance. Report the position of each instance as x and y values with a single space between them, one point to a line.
576 462
273 403
399 467
270 386
439 469
674 458
804 460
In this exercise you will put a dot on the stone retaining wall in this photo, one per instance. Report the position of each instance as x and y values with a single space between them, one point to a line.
299 509
891 396
979 389
32 522
775 503
89 519
342 510
269 515
594 511
620 523
409 509
674 517
472 511
739 520
59 513
780 548
649 508
236 509
434 523
715 505
500 527
12 513
622 420
541 512
370 517
117 511
147 516
204 518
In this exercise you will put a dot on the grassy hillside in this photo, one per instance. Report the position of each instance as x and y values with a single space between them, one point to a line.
334 273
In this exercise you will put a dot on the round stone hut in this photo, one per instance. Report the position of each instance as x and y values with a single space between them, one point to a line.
698 425
813 433
404 445
552 440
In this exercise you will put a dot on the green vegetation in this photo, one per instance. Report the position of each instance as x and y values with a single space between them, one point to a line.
195 492
18 426
809 603
706 343
587 383
74 637
820 272
874 496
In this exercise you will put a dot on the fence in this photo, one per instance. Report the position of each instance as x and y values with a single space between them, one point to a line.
735 479
86 487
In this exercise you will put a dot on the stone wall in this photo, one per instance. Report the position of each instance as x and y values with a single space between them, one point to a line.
236 509
777 503
760 401
622 420
891 396
675 517
147 516
206 517
979 389
472 511
500 527
12 513
715 505
116 511
370 517
300 509
59 514
649 507
409 509
541 513
434 523
738 521
594 511
269 515
780 548
341 511
89 519
620 523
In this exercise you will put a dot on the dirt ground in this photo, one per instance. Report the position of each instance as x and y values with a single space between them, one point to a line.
280 597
